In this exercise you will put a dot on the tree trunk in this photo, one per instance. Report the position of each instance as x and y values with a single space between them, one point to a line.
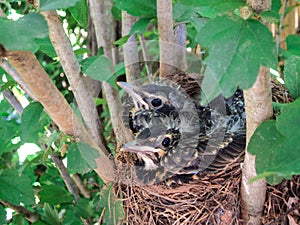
258 104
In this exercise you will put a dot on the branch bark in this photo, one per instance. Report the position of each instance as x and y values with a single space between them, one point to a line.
14 74
13 101
131 58
166 37
100 20
30 216
65 176
180 47
258 103
72 70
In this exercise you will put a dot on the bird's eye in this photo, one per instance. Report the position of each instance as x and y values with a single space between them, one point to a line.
166 142
156 102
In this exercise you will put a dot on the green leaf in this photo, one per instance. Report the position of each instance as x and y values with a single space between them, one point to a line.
46 46
2 215
54 195
15 188
113 207
81 158
207 8
140 26
100 101
80 13
276 145
19 220
122 40
50 215
8 131
99 68
83 208
273 15
236 49
23 33
46 5
71 218
141 8
34 121
292 75
185 13
289 119
293 45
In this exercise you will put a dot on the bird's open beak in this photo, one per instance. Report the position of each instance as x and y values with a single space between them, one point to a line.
142 149
136 93
134 146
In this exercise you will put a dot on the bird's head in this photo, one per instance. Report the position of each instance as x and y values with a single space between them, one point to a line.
155 100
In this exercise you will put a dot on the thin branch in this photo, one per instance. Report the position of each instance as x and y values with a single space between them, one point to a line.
72 70
100 12
180 47
146 58
102 26
166 37
280 27
65 176
16 76
122 133
9 96
30 216
82 188
131 58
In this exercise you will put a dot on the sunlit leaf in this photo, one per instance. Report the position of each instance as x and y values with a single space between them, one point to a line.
99 68
236 49
24 33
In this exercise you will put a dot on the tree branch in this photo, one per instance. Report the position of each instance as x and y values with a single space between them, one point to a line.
71 67
30 216
65 176
14 102
131 58
122 133
14 74
102 26
82 188
180 47
166 37
56 106
258 105
145 56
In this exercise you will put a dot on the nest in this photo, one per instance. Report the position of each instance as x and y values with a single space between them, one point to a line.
212 198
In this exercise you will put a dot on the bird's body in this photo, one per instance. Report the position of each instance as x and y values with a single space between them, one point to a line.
175 135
